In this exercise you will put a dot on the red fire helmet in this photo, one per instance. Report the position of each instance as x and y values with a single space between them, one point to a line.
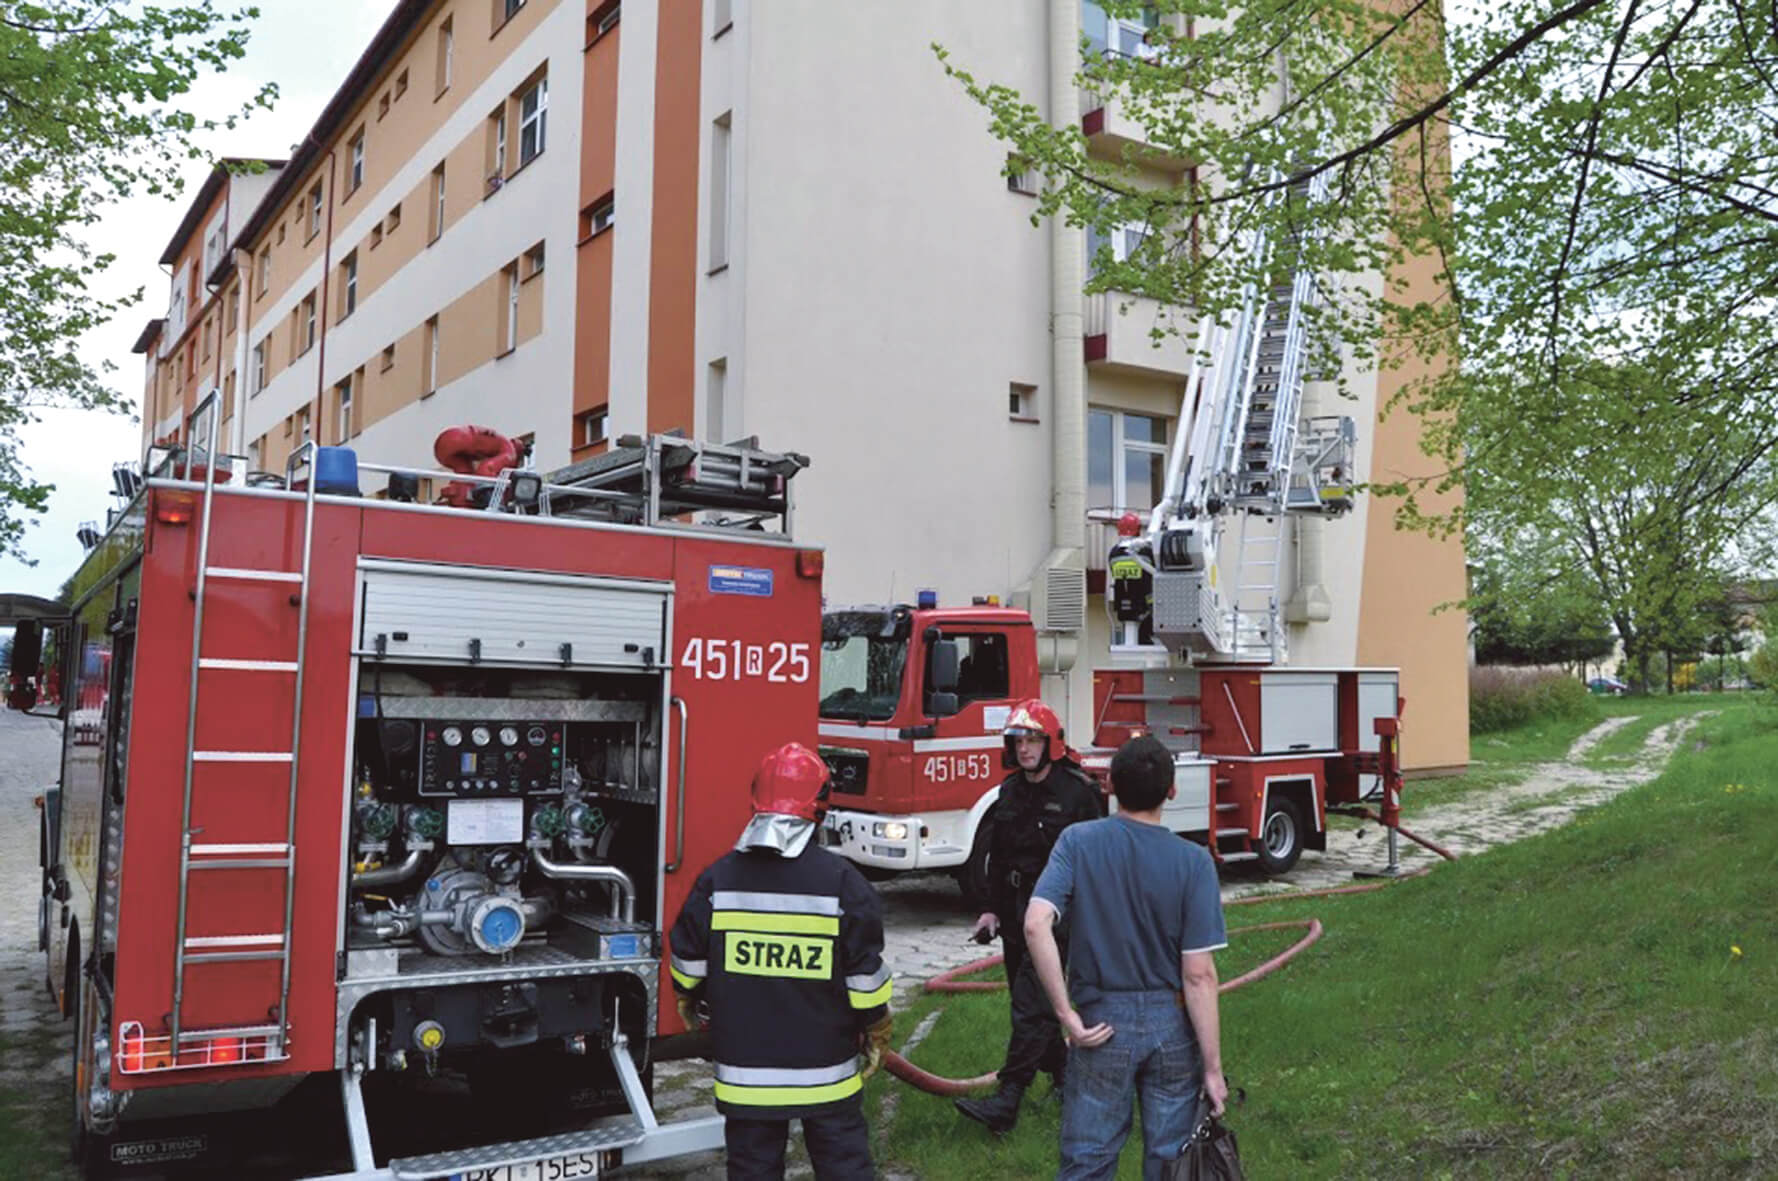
791 781
1033 717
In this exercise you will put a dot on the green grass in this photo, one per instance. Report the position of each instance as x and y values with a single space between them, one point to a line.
1568 1006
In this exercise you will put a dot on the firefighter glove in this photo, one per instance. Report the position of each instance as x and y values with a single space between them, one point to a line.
688 1012
876 1043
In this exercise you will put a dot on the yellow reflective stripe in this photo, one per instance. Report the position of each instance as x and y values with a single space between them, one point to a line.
784 924
873 998
787 1096
682 980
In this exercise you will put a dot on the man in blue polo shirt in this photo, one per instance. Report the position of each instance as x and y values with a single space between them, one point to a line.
1146 914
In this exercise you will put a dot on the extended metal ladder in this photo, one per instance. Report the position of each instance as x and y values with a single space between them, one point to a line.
266 1042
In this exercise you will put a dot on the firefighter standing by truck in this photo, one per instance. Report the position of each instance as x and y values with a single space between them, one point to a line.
1046 792
784 942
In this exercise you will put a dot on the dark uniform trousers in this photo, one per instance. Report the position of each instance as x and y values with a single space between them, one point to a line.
1027 822
838 1144
1036 1042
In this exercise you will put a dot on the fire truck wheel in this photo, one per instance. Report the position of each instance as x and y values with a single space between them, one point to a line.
972 875
1281 836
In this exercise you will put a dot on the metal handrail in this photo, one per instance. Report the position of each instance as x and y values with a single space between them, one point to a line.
679 791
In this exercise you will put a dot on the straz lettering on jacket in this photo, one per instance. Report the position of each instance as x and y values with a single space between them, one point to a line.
778 955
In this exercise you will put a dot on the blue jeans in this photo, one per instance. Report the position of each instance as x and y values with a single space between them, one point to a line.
1152 1054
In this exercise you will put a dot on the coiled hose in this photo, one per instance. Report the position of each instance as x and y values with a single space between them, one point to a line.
947 982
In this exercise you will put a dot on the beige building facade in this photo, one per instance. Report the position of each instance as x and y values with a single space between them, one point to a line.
573 220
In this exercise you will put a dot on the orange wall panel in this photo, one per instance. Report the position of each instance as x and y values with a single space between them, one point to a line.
672 293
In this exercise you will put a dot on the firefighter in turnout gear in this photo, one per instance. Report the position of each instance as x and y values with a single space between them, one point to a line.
783 942
1046 792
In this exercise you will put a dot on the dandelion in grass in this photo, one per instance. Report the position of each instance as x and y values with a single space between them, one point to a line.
1734 952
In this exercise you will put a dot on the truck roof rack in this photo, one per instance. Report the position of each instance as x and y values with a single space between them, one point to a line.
647 478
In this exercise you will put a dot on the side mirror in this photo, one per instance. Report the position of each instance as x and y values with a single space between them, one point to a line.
941 705
943 668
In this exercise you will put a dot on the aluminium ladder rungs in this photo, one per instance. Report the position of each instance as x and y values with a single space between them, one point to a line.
241 1031
247 666
241 574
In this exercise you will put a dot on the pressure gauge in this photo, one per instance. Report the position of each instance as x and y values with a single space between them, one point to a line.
509 736
452 736
480 736
536 735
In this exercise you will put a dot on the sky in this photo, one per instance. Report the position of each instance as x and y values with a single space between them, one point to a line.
305 46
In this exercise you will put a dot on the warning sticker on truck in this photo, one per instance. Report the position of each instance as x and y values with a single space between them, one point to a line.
752 581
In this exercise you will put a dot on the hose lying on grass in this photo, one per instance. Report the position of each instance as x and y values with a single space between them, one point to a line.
947 982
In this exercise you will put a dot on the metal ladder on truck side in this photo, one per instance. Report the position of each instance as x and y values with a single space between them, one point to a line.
269 1041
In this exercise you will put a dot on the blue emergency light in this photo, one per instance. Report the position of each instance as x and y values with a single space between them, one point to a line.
928 599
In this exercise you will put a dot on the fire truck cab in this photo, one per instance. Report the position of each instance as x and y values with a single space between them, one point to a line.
913 700
365 846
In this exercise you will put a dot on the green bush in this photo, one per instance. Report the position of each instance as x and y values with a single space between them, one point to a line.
1502 698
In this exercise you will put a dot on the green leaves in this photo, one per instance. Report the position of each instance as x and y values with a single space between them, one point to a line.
89 111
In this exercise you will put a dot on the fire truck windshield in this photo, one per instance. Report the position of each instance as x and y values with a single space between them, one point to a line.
863 656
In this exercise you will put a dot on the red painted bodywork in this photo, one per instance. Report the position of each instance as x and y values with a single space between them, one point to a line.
732 724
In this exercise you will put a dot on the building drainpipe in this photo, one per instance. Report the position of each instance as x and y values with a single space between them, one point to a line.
1057 650
323 309
243 277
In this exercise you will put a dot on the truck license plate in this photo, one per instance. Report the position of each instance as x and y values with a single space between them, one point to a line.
573 1167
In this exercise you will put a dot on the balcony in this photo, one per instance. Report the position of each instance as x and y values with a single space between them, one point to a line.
1113 135
1119 331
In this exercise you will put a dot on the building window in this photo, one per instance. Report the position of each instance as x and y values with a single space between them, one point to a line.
1020 176
349 285
315 210
533 120
438 205
1126 459
343 399
205 335
1125 36
598 217
497 148
716 427
722 17
400 84
429 373
303 432
263 278
602 20
719 192
382 106
983 668
376 235
394 219
308 322
1122 241
510 334
388 358
446 47
355 177
234 307
258 368
534 261
505 10
1021 402
590 428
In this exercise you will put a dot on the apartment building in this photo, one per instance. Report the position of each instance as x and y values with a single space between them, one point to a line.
573 219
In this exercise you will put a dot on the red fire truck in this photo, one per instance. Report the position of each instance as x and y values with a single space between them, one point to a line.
363 857
913 699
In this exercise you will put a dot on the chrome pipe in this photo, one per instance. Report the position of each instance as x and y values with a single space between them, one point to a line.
389 875
623 902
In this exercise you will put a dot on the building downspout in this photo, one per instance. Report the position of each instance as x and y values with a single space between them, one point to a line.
243 277
323 311
1058 650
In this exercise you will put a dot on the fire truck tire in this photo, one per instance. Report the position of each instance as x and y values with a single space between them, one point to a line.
972 875
1280 836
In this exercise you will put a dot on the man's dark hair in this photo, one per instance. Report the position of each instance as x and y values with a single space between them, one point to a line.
1141 774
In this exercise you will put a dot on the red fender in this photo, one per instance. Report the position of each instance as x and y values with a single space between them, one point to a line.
472 451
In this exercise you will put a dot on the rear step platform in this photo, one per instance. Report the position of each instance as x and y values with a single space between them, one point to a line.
614 1132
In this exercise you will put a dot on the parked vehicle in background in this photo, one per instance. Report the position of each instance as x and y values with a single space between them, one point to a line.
1607 687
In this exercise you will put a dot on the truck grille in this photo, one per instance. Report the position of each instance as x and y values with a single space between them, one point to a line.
850 769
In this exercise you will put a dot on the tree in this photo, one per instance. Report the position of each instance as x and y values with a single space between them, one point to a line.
90 112
1532 606
1617 202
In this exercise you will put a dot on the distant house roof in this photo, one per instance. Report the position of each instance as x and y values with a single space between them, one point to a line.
150 330
388 40
194 213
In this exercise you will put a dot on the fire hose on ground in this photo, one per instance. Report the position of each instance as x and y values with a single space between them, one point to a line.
948 982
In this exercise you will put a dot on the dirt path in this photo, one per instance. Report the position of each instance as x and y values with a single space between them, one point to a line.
1548 798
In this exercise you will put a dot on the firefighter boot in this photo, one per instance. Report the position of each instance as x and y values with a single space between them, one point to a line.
999 1112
